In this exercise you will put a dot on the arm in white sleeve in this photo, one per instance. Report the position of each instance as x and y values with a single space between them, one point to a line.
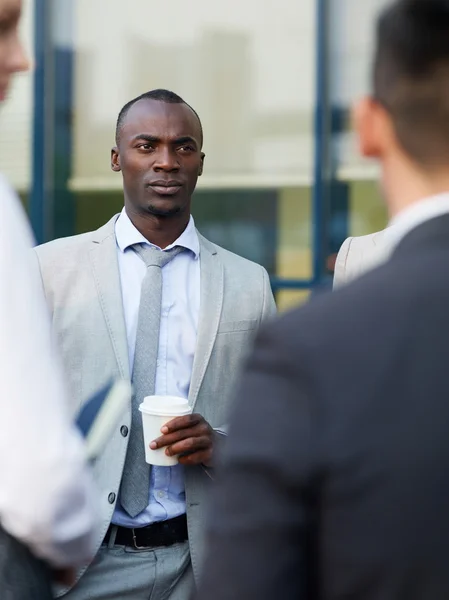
46 498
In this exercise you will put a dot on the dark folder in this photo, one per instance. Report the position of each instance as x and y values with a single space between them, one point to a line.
101 414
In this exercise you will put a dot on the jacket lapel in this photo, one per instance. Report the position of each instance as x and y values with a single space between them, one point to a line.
103 256
211 301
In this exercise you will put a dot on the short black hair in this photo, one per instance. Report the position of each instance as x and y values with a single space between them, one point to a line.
411 76
160 95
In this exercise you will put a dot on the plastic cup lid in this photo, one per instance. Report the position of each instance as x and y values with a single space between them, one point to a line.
165 405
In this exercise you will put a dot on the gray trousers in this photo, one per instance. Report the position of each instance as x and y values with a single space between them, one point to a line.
124 573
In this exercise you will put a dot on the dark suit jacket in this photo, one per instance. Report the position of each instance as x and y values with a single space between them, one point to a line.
22 576
335 482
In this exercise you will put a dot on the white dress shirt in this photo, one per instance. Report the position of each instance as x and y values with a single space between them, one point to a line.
46 498
177 341
414 215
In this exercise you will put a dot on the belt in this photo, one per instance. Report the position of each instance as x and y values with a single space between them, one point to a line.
162 533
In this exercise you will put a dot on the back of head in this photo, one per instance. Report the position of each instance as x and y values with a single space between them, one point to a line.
411 76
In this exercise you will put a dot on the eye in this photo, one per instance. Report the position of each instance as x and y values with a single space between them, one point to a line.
6 26
145 146
9 23
186 148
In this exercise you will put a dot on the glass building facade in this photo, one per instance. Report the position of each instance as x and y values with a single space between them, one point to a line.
273 83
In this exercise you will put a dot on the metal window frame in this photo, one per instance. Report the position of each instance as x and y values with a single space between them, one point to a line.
39 200
51 205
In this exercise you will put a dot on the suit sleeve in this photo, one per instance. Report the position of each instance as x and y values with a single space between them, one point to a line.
259 518
340 274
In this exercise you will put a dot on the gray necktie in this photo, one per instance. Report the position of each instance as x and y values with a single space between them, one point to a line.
134 492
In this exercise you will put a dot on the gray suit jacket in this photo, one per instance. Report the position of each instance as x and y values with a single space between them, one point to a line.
82 285
358 255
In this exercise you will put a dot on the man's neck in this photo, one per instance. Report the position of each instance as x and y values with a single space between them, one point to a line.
160 231
406 185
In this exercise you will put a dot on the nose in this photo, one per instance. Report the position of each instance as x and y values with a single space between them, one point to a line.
18 60
166 160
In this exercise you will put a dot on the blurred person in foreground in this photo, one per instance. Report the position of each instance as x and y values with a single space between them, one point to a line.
335 481
47 511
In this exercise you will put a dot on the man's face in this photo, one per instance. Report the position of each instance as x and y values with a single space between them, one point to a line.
159 155
12 55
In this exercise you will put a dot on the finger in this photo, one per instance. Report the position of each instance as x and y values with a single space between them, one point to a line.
189 446
200 430
197 458
64 576
182 423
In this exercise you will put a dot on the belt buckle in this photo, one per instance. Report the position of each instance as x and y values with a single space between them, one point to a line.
135 542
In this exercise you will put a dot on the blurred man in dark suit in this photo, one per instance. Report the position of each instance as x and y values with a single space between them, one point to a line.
336 475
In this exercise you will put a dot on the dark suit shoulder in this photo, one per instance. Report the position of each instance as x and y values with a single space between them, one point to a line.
355 316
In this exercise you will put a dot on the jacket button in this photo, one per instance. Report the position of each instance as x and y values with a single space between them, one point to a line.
124 430
111 498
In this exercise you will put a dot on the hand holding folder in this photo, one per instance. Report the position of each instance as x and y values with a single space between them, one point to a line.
102 413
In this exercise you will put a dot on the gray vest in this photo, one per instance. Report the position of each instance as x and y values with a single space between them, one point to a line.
22 576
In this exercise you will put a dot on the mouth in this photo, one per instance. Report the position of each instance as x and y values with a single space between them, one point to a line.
165 188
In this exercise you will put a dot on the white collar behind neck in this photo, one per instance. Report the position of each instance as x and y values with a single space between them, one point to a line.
416 214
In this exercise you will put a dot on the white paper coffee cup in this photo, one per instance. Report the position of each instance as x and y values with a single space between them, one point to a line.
156 412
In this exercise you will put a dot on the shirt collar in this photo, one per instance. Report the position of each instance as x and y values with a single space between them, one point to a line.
127 235
415 215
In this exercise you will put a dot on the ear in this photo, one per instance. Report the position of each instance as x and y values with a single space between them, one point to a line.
373 126
200 172
115 160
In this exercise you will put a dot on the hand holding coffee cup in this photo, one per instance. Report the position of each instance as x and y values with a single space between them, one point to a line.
191 438
186 438
157 411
